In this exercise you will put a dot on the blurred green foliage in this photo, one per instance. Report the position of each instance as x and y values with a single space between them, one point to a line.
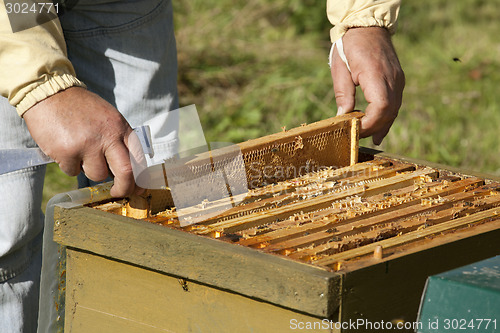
450 51
261 64
254 66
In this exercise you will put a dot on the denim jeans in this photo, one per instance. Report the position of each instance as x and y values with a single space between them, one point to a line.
125 52
21 224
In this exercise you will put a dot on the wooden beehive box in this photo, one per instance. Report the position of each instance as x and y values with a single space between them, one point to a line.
351 241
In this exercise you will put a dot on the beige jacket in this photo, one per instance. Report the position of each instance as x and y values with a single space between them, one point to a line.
34 64
345 14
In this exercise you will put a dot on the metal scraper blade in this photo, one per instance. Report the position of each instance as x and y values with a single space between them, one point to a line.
17 159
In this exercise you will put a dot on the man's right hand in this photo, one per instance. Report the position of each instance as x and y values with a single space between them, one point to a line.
81 131
376 69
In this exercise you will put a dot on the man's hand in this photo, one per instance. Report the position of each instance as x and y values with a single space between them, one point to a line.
375 67
81 131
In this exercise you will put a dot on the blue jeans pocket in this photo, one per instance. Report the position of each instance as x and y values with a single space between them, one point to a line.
90 18
125 52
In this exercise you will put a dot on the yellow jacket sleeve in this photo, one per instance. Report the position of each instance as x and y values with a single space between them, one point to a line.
345 14
33 63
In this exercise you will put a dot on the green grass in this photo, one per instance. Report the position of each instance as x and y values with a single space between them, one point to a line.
254 66
56 182
451 110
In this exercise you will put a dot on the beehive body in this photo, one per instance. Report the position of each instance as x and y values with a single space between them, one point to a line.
342 241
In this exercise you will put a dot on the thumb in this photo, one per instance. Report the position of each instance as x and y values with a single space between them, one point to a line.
343 85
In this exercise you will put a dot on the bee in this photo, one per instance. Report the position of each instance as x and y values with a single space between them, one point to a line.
335 239
183 284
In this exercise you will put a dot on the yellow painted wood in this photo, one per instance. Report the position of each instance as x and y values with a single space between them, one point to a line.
391 289
105 295
277 280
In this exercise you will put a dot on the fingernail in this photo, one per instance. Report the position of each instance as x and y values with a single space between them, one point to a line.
340 111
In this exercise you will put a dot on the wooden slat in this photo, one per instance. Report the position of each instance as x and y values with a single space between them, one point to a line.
355 226
288 233
312 204
310 129
255 200
395 228
110 296
490 214
291 185
355 124
378 154
361 171
289 198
